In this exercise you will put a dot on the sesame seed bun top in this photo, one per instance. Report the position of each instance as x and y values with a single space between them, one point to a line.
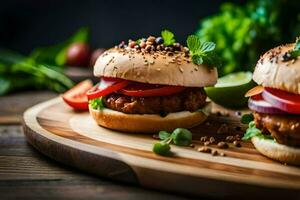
154 67
272 71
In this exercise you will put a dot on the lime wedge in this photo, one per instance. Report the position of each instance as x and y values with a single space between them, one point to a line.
230 89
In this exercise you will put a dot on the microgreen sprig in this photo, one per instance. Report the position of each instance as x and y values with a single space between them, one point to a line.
168 37
202 52
97 104
252 131
247 118
293 54
180 137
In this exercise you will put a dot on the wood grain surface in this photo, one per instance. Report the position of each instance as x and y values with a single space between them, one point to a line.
27 174
74 139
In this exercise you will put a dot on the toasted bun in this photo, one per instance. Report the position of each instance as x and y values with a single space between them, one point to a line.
279 152
148 123
271 71
154 68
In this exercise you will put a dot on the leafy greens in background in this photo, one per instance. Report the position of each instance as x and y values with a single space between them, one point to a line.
18 72
42 69
243 33
56 54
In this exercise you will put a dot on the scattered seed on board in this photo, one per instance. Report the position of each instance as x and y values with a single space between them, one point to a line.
236 143
223 145
204 149
206 143
203 139
154 136
222 154
229 138
214 152
212 140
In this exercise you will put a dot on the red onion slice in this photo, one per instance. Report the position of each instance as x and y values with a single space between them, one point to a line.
262 106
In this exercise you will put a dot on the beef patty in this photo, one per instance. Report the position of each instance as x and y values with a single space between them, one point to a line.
284 128
190 99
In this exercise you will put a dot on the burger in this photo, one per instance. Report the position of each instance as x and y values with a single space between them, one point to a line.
275 131
150 85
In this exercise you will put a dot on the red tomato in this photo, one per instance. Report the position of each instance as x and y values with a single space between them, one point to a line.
150 90
76 96
282 100
106 86
78 54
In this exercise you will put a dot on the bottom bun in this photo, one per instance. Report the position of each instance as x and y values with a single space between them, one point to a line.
279 152
148 123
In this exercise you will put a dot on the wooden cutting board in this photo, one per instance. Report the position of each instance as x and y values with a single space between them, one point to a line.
74 138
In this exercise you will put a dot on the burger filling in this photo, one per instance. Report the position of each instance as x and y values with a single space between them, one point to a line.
276 115
191 99
285 129
140 98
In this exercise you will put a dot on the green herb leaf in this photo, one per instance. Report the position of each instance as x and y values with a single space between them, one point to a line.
4 85
162 148
168 37
207 46
247 118
26 73
163 135
138 41
252 131
193 43
198 60
293 54
202 52
181 137
297 44
97 104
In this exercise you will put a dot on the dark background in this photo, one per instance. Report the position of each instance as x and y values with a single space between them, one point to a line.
25 25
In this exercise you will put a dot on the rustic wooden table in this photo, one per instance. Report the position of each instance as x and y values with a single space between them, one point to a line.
27 174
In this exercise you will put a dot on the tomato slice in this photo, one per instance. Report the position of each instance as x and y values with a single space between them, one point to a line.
105 87
255 91
282 100
147 90
76 96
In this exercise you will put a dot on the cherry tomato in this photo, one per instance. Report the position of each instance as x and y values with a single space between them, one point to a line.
76 96
106 86
78 54
282 100
147 90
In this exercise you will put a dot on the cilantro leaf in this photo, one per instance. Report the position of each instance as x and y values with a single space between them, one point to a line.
247 118
297 44
293 54
182 137
207 46
202 52
138 41
163 135
193 43
97 104
198 60
252 131
168 37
